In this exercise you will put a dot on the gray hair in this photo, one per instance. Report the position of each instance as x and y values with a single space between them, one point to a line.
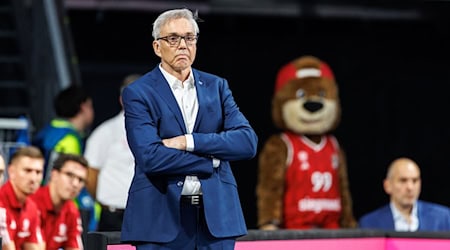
170 15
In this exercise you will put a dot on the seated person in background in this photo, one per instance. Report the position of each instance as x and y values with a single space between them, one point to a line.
60 218
24 178
2 169
7 244
405 212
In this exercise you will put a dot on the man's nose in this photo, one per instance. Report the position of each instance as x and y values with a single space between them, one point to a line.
182 42
410 184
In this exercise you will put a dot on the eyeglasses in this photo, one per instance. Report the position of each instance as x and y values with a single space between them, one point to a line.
73 176
174 40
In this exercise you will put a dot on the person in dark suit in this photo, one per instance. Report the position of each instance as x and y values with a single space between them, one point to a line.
183 127
406 212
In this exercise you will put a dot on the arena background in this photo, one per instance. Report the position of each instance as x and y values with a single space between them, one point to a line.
391 63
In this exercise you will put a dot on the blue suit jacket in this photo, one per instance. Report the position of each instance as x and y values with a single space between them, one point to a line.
220 131
432 217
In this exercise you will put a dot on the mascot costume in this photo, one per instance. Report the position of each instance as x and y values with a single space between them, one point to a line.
302 182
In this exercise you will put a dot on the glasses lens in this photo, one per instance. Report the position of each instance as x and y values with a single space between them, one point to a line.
173 40
191 38
73 176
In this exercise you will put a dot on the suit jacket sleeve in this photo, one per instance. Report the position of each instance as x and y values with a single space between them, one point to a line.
235 139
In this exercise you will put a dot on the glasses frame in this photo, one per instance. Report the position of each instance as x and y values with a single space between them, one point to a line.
73 176
166 38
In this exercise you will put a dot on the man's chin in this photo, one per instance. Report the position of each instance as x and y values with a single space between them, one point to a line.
409 203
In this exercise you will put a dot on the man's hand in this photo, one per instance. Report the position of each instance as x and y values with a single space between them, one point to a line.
178 142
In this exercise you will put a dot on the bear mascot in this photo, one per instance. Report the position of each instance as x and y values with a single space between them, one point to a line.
302 172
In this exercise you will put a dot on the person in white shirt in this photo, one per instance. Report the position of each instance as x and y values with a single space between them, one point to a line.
111 166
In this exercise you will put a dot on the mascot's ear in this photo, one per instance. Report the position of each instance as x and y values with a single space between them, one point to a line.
277 117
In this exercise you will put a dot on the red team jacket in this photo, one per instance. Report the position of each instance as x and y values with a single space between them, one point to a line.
22 220
61 229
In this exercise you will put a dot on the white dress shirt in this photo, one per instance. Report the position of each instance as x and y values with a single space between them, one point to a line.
401 223
186 96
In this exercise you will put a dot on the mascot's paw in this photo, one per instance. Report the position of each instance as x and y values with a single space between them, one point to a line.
269 227
349 223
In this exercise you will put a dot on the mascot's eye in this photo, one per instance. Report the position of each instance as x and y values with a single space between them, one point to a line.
300 93
322 93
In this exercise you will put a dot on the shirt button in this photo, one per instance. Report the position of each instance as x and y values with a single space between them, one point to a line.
180 183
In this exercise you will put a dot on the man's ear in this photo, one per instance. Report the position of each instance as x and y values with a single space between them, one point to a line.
157 48
387 186
11 171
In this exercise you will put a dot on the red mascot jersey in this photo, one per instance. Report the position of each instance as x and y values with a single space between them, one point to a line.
312 196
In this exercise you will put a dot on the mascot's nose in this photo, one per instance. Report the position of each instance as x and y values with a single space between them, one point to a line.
312 106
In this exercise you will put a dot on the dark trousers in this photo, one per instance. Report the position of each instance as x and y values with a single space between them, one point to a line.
110 220
194 235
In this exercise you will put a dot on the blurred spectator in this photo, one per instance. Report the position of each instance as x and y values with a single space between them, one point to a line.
24 178
406 212
2 169
60 218
111 166
65 134
7 244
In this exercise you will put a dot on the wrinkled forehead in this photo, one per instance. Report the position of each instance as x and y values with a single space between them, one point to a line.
178 25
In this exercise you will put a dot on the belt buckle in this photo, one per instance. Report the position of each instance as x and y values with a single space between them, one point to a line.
195 200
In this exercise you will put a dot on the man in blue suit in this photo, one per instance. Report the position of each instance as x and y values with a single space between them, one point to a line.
405 212
183 127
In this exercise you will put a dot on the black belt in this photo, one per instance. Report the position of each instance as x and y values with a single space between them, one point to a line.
195 200
112 209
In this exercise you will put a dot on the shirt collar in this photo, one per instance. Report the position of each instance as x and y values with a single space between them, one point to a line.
397 213
174 83
400 221
11 196
48 200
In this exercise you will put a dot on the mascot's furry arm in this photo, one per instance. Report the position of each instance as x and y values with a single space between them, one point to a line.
270 189
347 218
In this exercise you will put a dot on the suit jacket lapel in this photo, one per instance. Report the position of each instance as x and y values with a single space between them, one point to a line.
388 217
202 94
421 216
163 89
